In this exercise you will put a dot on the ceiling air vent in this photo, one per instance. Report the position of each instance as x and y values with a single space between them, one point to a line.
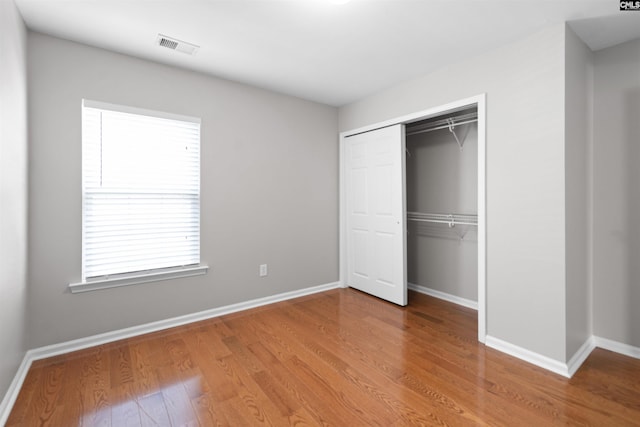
175 44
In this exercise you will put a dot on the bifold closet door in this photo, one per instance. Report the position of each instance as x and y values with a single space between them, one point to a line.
376 225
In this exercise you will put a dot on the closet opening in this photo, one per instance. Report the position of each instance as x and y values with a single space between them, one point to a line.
442 206
413 206
413 209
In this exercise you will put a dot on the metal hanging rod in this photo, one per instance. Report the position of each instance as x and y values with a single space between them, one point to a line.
416 132
445 123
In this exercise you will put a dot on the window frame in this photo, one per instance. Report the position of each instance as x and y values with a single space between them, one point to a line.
144 276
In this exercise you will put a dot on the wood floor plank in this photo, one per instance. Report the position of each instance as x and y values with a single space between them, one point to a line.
337 358
305 392
44 400
96 387
124 409
376 364
29 385
257 405
145 378
321 412
209 412
153 411
176 400
364 383
72 392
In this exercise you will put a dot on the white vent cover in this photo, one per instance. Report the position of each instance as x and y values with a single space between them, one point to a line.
175 44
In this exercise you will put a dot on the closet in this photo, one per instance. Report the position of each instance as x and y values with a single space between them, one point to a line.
412 206
442 205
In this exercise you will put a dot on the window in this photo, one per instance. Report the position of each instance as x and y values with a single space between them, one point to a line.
141 196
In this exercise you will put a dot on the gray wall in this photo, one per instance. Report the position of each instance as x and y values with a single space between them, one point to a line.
524 82
443 179
13 191
578 139
616 194
269 189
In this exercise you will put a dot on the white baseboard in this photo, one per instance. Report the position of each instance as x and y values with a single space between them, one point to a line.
92 341
79 344
528 356
617 347
444 296
14 389
580 356
564 369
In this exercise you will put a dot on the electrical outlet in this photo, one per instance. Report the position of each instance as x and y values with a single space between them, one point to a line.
263 270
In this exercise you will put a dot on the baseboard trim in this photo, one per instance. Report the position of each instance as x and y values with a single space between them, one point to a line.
443 296
528 356
14 389
617 347
91 341
580 356
79 344
566 370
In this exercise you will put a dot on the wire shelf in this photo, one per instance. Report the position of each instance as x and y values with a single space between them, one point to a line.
450 219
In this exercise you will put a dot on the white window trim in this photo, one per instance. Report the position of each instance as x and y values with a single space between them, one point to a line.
137 278
126 279
140 111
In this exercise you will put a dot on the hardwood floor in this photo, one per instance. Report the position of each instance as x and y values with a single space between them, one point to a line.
339 358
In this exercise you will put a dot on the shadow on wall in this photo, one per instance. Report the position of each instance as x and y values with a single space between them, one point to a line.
632 138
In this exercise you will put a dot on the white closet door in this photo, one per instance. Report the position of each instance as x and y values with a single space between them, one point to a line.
376 226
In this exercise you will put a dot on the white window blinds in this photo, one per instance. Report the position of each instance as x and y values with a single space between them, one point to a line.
141 190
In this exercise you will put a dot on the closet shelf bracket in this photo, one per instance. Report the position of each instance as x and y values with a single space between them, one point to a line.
452 129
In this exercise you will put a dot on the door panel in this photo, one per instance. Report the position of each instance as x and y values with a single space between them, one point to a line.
359 179
376 226
383 254
360 253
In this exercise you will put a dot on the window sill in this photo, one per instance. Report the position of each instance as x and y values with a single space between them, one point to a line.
134 279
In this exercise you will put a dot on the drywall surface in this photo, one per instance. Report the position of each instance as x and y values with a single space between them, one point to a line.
13 191
269 189
578 139
524 83
616 194
441 178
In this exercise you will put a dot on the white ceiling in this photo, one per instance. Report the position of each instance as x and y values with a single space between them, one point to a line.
316 49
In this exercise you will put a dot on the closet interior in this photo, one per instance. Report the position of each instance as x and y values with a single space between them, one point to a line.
442 204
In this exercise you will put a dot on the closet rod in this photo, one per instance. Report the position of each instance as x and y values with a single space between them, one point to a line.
426 124
415 132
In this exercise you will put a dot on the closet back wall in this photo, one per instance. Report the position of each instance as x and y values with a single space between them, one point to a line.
441 178
269 189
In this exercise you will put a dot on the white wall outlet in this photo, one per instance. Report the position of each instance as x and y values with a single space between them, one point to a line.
263 270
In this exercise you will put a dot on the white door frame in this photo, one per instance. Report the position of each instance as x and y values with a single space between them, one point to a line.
480 102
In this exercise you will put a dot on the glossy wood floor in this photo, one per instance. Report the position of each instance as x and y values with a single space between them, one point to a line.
339 358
